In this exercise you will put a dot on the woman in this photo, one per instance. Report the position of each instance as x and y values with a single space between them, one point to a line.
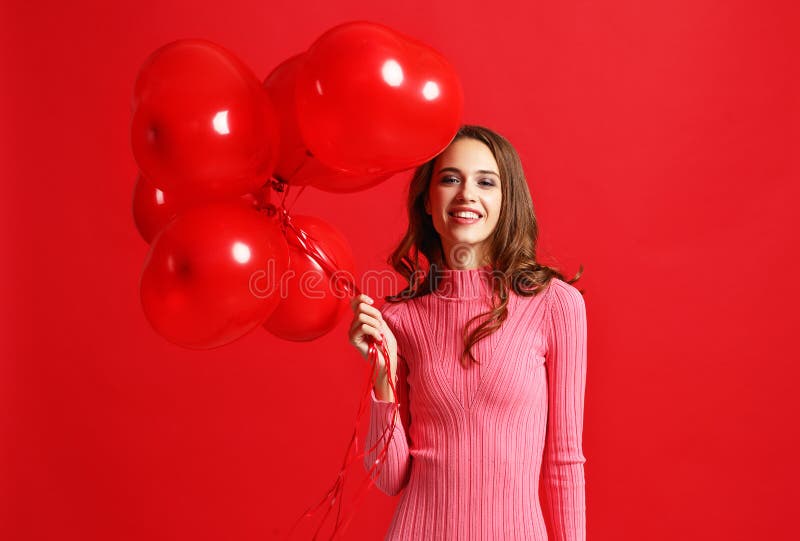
488 352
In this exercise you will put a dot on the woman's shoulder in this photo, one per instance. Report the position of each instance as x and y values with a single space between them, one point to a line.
553 293
554 287
564 297
558 288
394 312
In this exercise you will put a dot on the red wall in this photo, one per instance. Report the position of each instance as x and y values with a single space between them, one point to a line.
660 141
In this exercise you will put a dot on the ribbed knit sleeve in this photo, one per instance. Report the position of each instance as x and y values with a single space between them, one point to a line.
393 474
562 462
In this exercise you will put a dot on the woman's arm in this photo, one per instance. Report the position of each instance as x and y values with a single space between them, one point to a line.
393 474
562 464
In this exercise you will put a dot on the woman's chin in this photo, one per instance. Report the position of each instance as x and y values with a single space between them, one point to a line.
461 238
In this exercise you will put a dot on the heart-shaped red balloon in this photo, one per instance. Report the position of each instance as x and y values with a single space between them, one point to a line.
202 122
213 274
296 165
371 100
313 302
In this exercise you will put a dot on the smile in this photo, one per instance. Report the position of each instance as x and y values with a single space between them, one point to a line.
465 214
464 217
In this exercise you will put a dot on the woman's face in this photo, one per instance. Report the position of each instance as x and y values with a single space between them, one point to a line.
465 177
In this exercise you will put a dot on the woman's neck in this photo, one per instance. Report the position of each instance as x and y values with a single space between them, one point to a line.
464 258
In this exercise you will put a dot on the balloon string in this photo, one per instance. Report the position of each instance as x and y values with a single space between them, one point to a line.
298 195
336 491
300 238
283 185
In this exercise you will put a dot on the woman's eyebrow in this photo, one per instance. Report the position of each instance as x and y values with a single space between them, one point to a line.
479 171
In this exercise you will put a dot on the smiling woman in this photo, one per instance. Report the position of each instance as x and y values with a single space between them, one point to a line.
483 414
464 202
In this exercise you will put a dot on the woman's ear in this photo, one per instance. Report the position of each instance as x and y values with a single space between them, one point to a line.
427 205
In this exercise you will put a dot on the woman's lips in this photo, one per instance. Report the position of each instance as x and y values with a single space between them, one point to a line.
464 221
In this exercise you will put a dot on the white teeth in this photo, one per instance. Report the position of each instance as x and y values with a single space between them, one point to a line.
465 214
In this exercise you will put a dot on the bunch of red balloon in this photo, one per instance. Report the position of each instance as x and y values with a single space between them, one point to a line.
218 151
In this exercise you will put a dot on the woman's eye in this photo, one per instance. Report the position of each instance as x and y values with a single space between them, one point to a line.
482 182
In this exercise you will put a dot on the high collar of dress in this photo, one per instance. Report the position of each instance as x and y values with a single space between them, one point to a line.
456 284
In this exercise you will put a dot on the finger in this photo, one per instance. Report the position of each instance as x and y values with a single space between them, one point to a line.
364 318
357 334
371 310
360 319
359 299
370 330
354 326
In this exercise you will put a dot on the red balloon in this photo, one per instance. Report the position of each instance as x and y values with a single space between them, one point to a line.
313 302
202 122
212 274
279 84
153 208
371 100
334 180
296 165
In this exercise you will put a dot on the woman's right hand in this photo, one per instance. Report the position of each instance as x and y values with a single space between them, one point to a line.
368 323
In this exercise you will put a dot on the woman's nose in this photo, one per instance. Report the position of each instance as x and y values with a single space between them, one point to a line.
465 193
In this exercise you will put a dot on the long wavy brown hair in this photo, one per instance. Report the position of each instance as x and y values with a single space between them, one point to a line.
512 246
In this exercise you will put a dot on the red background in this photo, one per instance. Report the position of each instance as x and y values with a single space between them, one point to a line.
660 140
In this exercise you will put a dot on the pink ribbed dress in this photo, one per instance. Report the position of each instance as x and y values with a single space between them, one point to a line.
479 440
